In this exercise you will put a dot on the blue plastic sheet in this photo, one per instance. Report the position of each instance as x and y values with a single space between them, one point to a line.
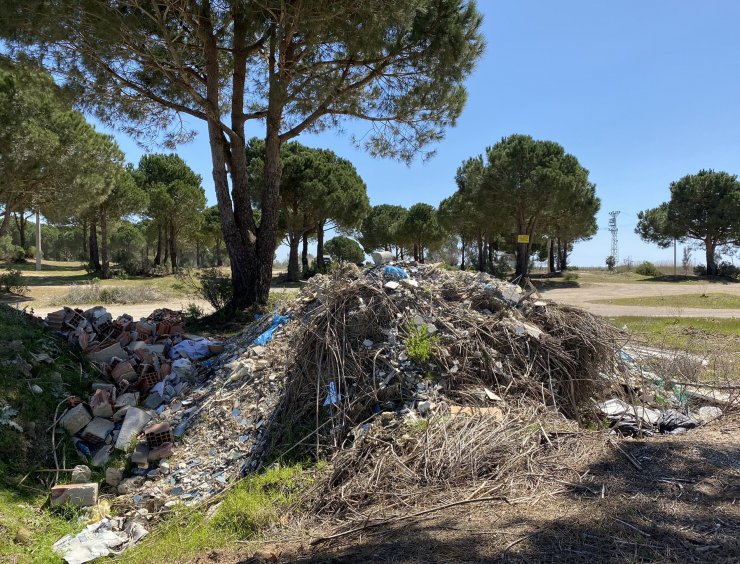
277 321
395 272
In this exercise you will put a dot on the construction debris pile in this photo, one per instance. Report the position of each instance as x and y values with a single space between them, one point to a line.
412 379
145 364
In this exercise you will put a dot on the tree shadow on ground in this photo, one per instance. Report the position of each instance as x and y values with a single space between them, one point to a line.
681 507
30 266
545 285
40 281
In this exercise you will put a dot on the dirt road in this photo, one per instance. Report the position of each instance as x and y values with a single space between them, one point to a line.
586 293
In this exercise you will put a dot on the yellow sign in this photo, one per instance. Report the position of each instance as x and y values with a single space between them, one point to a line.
522 239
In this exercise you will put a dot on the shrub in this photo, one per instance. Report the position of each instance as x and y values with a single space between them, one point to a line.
500 267
611 262
728 269
11 282
10 252
570 276
419 343
210 284
724 268
194 311
647 268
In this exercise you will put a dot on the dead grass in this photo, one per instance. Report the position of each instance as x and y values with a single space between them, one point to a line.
94 293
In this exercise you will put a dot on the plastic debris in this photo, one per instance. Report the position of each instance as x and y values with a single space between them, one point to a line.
97 540
277 321
395 272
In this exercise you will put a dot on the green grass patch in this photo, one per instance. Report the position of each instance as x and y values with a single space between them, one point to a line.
257 503
22 490
707 301
694 334
27 532
600 276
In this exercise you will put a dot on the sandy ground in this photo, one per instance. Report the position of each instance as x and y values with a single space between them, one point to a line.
586 293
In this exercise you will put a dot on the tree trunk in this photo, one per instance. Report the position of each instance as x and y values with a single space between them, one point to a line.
550 256
5 225
565 252
83 226
710 247
481 260
293 241
320 267
94 256
462 253
104 247
421 254
489 255
20 223
173 249
304 253
197 254
158 256
39 247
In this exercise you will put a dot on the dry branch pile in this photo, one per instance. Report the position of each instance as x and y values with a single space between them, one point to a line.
439 382
355 335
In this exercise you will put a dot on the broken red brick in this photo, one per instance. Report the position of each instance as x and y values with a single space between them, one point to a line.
158 434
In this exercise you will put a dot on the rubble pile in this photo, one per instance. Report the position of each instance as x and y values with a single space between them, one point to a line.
410 377
356 351
146 364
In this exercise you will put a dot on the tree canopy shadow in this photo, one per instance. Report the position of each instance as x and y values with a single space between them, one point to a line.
681 507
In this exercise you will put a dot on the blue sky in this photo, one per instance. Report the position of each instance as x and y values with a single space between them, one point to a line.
641 92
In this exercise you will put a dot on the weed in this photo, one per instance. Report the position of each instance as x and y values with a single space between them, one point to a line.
11 282
194 311
256 503
419 343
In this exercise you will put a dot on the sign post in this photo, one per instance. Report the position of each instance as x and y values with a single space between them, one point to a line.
523 242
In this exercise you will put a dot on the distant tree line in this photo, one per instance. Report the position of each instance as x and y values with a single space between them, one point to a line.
522 187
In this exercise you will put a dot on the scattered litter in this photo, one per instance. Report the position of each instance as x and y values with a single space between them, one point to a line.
277 321
395 272
97 540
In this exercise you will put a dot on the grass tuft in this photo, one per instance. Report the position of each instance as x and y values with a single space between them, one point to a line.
247 512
